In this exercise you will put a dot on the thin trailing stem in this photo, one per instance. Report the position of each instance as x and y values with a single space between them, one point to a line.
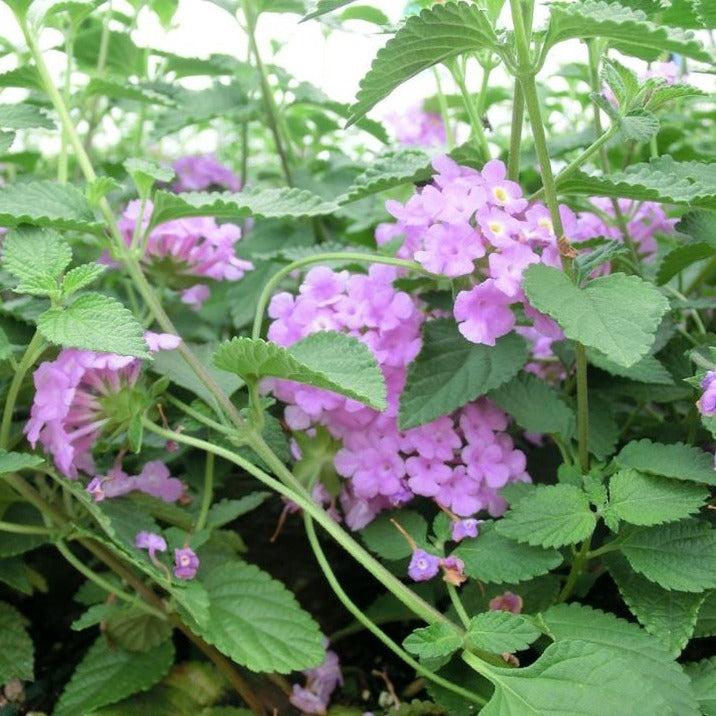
471 107
208 494
518 115
17 529
576 570
458 605
444 111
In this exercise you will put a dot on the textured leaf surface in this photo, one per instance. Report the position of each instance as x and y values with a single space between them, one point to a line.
96 323
450 372
46 204
501 632
16 649
81 277
593 18
574 678
263 203
706 621
680 556
616 314
436 35
638 125
646 370
703 680
668 616
324 6
433 642
678 461
107 675
382 537
534 405
495 558
228 510
549 516
681 257
649 500
643 654
326 359
257 622
127 90
23 116
15 461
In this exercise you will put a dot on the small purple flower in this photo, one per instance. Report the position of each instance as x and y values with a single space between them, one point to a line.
453 570
707 402
423 566
161 341
465 528
152 542
507 602
185 563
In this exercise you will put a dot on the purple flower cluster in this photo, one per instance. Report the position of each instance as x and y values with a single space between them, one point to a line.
460 461
201 172
470 223
186 563
75 399
707 402
417 128
321 682
191 247
154 479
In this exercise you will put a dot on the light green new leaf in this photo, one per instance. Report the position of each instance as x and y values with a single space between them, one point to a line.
703 680
108 674
656 671
256 621
23 116
450 371
649 500
646 370
678 461
326 359
16 648
622 81
612 21
145 172
680 555
639 125
81 277
436 641
6 140
97 323
668 616
36 257
535 406
127 90
47 204
616 314
495 558
500 632
325 6
575 678
16 461
263 203
437 34
706 13
549 516
664 94
682 256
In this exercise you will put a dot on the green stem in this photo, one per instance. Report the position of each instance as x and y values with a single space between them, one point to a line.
458 605
518 115
208 494
62 172
582 409
694 313
704 274
199 417
606 549
424 610
104 584
25 529
577 568
475 119
371 626
32 353
346 256
444 111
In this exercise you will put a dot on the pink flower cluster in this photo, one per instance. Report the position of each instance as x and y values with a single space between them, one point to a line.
467 221
74 399
201 172
154 479
460 461
417 128
191 247
321 682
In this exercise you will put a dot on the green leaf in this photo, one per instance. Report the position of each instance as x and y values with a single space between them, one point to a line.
661 96
616 314
228 510
325 6
450 371
706 621
46 204
94 615
646 370
621 79
145 172
326 359
655 669
16 649
96 323
23 116
612 21
680 555
681 257
700 225
11 543
263 203
437 641
107 675
495 558
36 257
135 630
571 677
126 90
678 461
14 573
549 516
639 125
16 461
703 681
500 632
257 622
6 140
383 538
648 500
437 34
668 616
81 277
535 405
